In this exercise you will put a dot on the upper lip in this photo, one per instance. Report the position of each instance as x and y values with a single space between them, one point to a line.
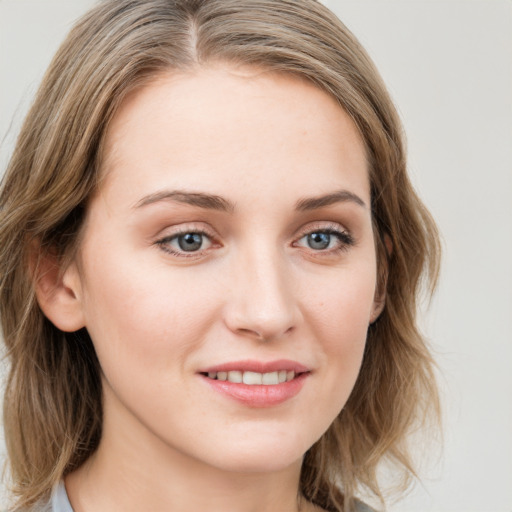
257 366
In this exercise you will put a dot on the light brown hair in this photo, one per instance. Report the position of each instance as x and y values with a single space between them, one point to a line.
52 404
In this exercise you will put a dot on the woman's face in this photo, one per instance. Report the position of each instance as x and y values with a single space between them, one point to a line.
230 239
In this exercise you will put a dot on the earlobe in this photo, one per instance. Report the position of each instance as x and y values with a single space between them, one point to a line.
58 292
378 305
379 301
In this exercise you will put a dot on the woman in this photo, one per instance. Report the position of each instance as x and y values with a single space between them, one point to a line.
210 259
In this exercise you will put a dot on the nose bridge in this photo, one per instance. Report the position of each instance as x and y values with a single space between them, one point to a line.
263 302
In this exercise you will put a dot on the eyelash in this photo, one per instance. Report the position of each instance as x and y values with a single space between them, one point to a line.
345 241
164 242
344 238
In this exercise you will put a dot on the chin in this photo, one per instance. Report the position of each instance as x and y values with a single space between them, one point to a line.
264 454
260 464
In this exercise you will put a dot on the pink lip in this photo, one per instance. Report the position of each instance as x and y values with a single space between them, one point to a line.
258 395
258 366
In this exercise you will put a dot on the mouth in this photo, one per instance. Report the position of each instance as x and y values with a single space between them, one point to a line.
254 378
257 384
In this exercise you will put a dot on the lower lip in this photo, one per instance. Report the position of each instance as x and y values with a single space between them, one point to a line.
259 395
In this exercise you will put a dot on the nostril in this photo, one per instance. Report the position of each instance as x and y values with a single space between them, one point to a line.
252 333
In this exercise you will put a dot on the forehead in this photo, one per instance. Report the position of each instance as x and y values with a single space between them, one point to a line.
230 123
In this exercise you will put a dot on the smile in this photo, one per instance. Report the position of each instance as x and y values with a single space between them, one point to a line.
257 384
254 378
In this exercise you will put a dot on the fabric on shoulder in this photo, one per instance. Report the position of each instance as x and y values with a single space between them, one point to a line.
60 501
363 507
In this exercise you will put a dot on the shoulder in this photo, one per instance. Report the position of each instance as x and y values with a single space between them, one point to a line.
363 507
359 506
58 501
40 506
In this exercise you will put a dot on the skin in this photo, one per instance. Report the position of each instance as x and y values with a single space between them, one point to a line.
256 289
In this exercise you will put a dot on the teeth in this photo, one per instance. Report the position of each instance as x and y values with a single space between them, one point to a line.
254 378
270 378
235 376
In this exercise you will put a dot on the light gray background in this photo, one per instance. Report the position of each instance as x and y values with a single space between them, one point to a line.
448 65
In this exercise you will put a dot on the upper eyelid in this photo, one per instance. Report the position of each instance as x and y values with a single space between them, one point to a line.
170 233
344 235
186 227
204 228
322 226
172 236
163 242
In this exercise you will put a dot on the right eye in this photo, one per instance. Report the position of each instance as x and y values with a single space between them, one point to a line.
185 243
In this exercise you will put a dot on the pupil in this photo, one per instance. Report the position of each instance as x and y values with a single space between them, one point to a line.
190 241
319 240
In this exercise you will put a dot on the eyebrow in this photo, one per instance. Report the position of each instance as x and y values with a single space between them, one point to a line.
341 196
200 199
215 202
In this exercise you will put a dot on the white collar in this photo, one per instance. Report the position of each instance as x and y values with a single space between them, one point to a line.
60 500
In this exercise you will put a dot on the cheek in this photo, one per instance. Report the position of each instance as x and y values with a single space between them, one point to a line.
343 303
342 316
142 314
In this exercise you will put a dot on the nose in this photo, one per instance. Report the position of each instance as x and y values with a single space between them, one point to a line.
262 301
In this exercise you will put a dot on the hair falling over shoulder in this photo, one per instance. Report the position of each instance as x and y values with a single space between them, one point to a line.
53 404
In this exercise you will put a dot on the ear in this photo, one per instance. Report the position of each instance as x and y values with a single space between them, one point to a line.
379 300
58 291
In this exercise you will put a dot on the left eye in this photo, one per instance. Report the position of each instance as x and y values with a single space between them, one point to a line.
187 242
324 240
